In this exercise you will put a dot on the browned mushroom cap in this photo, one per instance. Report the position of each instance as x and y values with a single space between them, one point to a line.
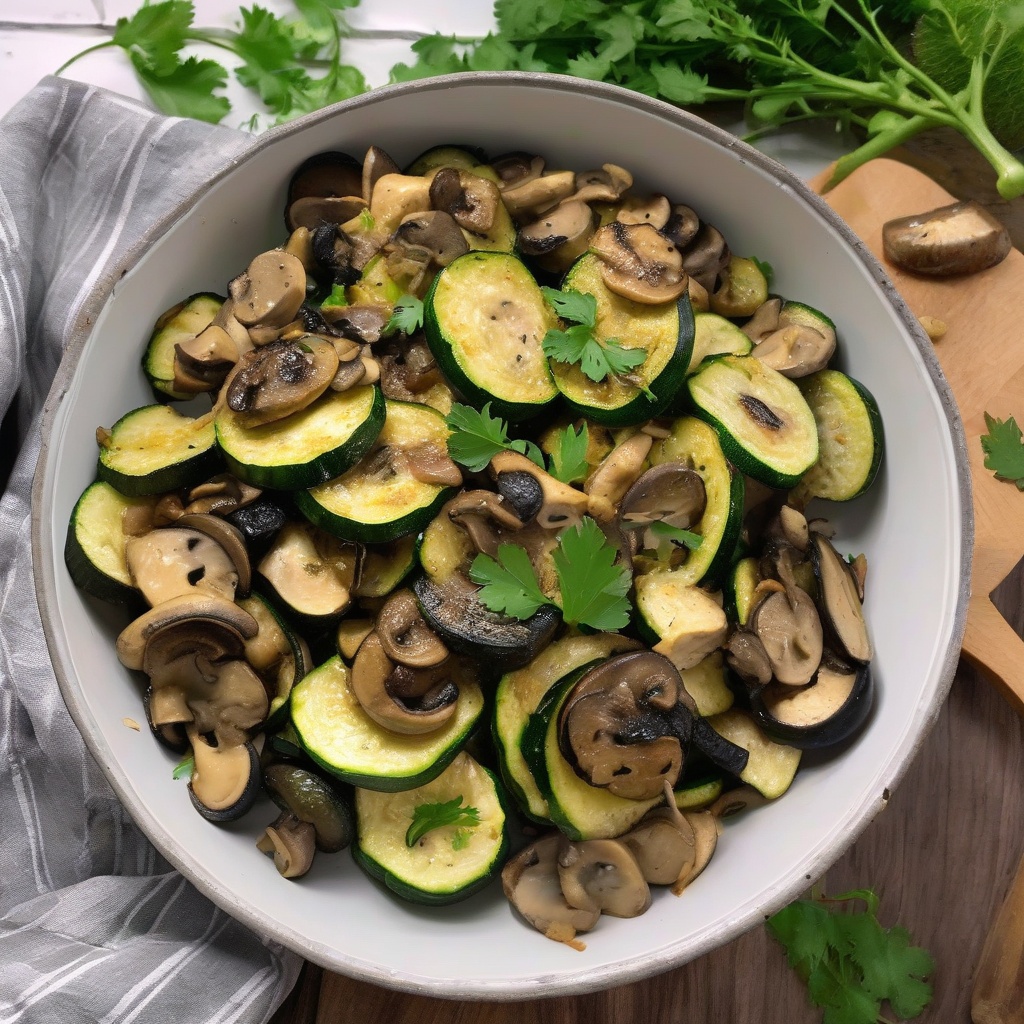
531 198
797 349
471 200
663 844
482 514
436 232
560 236
669 493
602 875
326 174
405 635
376 164
208 356
430 463
229 538
764 321
517 168
372 672
705 833
531 884
789 627
350 373
279 379
226 779
173 562
654 210
222 494
314 212
741 290
604 185
270 290
840 601
746 656
682 226
615 475
963 238
640 263
623 725
291 842
562 505
362 322
706 256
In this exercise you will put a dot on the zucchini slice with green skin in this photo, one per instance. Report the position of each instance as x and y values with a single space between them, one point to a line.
485 319
580 810
698 793
713 335
155 449
195 315
307 448
520 692
850 438
766 427
771 766
445 549
664 332
338 735
385 566
94 550
447 864
379 500
706 684
740 589
696 444
463 157
312 798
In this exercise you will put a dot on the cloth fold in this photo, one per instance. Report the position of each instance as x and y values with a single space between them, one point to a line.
95 926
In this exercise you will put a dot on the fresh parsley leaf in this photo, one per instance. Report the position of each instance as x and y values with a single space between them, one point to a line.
851 964
184 768
580 307
188 90
508 585
1004 450
676 534
476 436
593 587
154 35
569 459
596 359
407 317
460 838
427 817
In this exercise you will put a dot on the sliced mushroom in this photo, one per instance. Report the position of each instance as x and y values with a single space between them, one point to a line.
376 164
482 514
640 263
796 349
172 562
527 200
208 356
270 291
326 174
747 657
602 875
349 374
472 201
963 238
362 322
559 237
523 493
405 635
335 252
563 505
221 494
705 832
395 197
663 844
615 475
280 379
229 538
605 185
314 212
669 493
655 210
292 844
840 601
436 232
682 226
706 256
531 884
430 463
788 625
371 673
765 320
225 780
742 798
517 168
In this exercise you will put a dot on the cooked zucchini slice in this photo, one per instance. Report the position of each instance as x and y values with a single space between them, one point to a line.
376 286
94 550
485 318
664 332
706 684
520 692
307 448
680 620
379 500
312 798
450 862
771 767
385 566
713 335
766 427
850 438
465 157
155 449
698 793
580 810
340 736
696 445
194 316
741 590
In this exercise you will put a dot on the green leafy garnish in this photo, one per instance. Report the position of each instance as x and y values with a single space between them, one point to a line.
477 436
184 768
367 221
1004 450
336 298
767 270
592 586
579 344
851 964
508 585
407 317
569 459
676 534
427 817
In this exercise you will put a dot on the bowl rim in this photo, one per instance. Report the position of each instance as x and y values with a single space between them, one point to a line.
586 979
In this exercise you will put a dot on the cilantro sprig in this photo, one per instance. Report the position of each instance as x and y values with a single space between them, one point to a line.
592 586
429 816
597 358
850 963
1004 450
407 316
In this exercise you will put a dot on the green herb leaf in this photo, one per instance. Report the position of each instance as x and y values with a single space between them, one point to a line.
336 298
676 534
1004 450
184 768
461 838
188 90
596 359
579 307
407 317
766 269
850 962
366 219
593 587
508 585
569 459
476 436
154 35
427 817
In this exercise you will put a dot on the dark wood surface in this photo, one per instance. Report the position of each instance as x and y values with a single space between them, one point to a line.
941 855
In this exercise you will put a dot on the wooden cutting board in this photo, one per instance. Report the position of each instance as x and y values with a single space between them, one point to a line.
942 853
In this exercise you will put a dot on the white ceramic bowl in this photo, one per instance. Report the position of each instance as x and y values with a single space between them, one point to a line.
914 526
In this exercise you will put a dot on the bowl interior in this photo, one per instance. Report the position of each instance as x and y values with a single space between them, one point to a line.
909 526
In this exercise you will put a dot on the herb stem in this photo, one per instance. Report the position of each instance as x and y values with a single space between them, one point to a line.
78 56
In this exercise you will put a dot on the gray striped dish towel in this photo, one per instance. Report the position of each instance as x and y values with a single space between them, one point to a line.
94 925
